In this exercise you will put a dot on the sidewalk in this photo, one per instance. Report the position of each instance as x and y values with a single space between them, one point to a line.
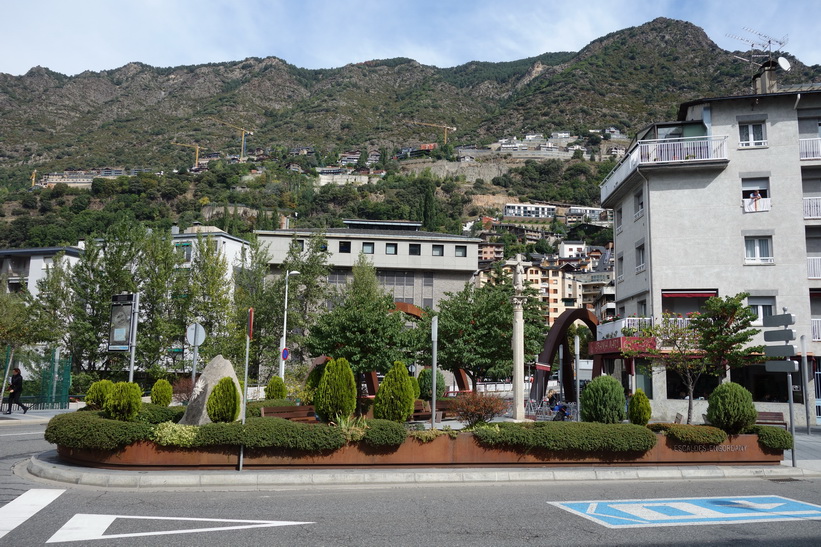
47 467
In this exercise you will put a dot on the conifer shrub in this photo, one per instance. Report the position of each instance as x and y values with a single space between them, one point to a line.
311 383
285 434
415 386
567 436
162 392
638 409
603 401
171 434
97 393
123 402
276 389
91 431
384 433
473 408
154 414
426 384
731 408
335 395
395 398
223 403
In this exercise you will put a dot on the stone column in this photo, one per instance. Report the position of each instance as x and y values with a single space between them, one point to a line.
518 341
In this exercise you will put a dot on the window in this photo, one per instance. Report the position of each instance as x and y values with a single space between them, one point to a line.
344 246
184 250
758 250
641 308
755 194
390 248
438 250
763 306
415 249
427 302
427 280
461 250
300 243
338 277
638 204
752 134
619 218
367 247
620 269
640 262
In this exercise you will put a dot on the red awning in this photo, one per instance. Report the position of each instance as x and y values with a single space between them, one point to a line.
542 366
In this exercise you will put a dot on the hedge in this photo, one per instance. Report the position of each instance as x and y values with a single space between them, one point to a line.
568 436
89 430
156 414
383 433
772 437
281 433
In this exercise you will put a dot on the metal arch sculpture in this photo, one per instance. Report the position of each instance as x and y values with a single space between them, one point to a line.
558 336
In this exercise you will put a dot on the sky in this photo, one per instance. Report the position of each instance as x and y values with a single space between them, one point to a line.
73 36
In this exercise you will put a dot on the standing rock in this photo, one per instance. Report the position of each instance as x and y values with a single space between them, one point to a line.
218 368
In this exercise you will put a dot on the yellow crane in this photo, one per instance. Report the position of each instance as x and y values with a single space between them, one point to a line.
196 148
33 178
242 131
446 128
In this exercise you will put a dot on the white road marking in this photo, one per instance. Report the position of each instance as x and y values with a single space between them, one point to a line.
20 434
25 506
85 527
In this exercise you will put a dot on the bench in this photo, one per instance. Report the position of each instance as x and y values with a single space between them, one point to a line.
421 412
771 418
445 406
304 413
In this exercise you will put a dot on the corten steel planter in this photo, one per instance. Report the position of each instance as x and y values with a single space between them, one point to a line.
463 451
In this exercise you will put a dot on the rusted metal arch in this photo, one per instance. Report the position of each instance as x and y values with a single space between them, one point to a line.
558 336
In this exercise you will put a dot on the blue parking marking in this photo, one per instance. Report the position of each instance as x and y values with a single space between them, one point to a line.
691 511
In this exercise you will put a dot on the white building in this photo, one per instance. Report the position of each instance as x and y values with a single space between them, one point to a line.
23 268
529 210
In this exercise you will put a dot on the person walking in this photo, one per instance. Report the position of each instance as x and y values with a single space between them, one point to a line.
15 391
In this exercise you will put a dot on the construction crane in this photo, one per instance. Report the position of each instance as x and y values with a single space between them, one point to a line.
446 128
33 178
242 131
196 148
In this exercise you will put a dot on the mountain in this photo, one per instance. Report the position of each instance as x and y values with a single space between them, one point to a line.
131 116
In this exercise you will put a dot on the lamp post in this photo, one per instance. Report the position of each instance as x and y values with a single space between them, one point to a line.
284 326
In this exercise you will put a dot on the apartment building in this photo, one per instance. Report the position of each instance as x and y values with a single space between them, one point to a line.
723 200
23 268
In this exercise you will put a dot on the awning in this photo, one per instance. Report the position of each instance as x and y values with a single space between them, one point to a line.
542 366
689 293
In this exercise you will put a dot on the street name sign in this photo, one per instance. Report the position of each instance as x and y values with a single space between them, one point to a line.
784 335
783 320
781 366
787 350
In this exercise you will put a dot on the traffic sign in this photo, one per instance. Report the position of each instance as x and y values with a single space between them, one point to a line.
285 354
783 320
787 350
781 366
195 334
784 335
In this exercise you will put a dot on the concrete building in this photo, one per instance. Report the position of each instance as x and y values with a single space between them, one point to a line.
23 268
725 199
416 267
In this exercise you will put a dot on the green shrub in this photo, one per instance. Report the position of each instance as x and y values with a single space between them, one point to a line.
171 434
772 437
153 414
312 383
285 434
97 393
731 408
696 434
473 408
223 403
220 433
162 392
276 389
394 401
603 401
384 433
568 436
426 384
124 401
252 411
415 386
335 396
638 410
91 431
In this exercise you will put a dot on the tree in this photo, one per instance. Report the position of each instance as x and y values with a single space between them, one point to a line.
210 297
17 327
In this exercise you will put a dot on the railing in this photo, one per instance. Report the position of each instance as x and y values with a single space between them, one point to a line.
816 330
753 205
613 329
651 152
814 267
812 207
810 149
759 260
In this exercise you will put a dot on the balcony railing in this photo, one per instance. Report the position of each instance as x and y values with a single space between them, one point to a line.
816 330
655 152
810 149
752 205
812 207
613 329
814 267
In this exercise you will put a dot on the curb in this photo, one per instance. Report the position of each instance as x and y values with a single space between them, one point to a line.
46 467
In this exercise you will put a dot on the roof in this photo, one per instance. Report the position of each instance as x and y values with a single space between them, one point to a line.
31 251
783 91
369 233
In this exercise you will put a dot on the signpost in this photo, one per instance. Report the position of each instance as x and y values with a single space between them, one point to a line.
195 334
787 350
125 309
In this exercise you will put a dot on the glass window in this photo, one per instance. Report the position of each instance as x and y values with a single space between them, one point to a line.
763 306
438 250
415 249
461 250
638 204
427 280
758 250
344 246
390 248
755 194
640 262
184 249
367 247
752 134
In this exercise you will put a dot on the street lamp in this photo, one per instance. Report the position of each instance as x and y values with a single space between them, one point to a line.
284 326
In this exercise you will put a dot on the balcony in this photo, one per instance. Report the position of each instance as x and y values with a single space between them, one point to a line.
682 151
759 205
814 267
812 208
614 329
810 149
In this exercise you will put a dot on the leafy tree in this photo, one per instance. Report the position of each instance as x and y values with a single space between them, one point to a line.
17 325
210 297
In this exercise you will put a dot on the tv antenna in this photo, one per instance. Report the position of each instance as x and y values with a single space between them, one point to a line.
762 47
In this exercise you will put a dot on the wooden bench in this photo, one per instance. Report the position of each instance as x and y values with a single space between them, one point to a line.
445 406
421 412
771 418
305 413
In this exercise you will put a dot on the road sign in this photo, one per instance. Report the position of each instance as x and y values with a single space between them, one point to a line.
783 320
195 334
781 366
787 350
784 335
285 354
691 511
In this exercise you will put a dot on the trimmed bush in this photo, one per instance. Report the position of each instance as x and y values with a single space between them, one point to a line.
335 395
568 436
638 409
97 393
395 398
220 434
285 434
161 393
91 431
153 414
473 408
223 403
124 401
772 437
384 433
171 434
731 408
276 389
603 401
426 384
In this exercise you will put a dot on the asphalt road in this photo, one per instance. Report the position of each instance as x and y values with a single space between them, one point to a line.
398 515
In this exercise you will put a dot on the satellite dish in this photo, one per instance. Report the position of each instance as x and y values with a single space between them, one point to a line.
784 64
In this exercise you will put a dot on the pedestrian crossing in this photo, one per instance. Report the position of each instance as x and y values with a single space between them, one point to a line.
25 506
